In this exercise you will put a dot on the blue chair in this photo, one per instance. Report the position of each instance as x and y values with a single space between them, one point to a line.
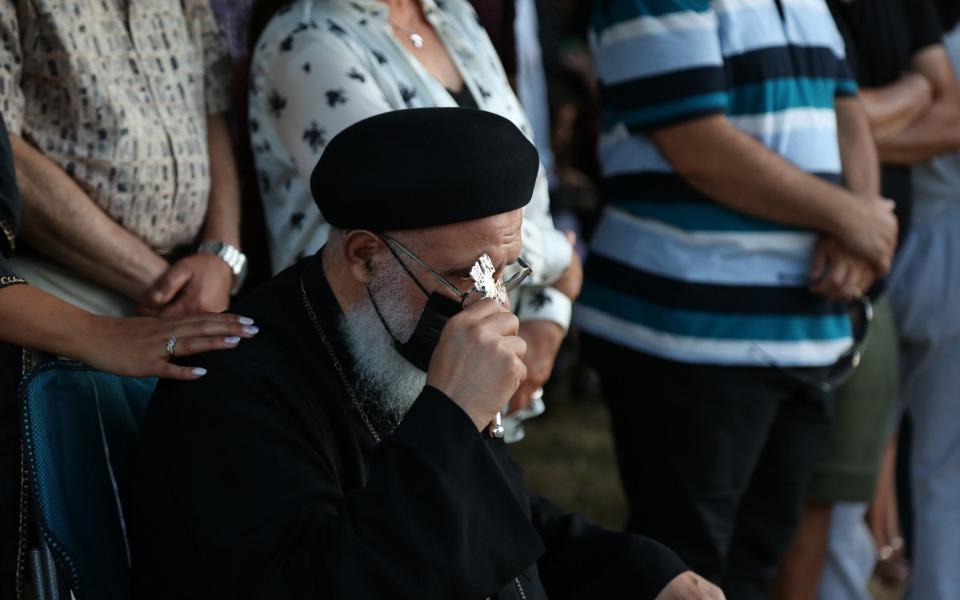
80 429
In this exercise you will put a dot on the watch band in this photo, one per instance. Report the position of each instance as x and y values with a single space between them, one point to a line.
230 254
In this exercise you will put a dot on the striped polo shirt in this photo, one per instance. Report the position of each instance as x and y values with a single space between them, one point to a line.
671 272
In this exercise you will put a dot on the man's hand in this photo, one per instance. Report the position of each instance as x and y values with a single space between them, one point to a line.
690 586
478 362
870 231
196 284
543 340
837 273
892 108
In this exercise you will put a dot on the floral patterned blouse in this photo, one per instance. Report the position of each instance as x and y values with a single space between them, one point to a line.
322 65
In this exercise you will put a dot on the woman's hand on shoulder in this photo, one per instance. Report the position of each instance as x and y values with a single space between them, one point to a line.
143 346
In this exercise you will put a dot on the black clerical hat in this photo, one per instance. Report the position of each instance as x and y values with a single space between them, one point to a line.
423 167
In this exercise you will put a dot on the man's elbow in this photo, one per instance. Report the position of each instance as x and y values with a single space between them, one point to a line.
941 133
952 119
18 146
29 164
685 164
694 167
688 147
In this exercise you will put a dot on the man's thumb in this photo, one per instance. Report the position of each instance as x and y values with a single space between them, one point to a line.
168 285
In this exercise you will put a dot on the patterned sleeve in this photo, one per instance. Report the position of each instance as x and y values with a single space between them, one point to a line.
317 85
659 62
11 61
217 62
548 252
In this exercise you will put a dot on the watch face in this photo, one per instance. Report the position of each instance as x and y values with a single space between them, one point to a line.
240 265
230 255
239 272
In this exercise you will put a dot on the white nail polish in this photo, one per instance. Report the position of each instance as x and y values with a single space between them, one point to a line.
245 321
199 372
251 329
233 340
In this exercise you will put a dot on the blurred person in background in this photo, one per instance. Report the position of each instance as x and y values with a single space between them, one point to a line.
925 297
573 127
531 80
555 96
742 216
122 155
498 19
322 65
31 319
235 18
909 95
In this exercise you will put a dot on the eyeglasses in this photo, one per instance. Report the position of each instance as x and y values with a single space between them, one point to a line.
861 314
510 284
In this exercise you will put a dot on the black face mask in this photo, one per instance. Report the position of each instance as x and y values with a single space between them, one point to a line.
418 350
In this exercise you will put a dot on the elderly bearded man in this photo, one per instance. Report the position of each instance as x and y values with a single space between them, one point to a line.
330 459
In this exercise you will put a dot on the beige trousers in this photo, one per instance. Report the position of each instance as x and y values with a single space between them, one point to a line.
53 278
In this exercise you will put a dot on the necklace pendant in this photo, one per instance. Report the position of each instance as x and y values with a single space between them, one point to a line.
416 40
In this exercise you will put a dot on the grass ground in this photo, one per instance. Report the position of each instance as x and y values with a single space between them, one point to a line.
568 457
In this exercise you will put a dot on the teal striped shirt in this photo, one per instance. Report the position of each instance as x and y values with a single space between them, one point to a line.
672 272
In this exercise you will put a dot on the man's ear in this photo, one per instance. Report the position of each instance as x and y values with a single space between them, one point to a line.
360 249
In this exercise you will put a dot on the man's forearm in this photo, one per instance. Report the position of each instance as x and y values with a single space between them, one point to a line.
835 272
739 172
60 220
938 130
223 211
894 107
858 153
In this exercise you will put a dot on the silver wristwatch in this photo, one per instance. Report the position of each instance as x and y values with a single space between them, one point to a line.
236 260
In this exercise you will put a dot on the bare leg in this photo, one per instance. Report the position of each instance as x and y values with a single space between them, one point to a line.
893 567
799 575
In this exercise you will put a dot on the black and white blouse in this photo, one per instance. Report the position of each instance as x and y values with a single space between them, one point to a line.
322 65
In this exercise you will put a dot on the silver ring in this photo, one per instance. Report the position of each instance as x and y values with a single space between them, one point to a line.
171 344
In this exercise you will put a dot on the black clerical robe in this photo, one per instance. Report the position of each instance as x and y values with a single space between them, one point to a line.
261 481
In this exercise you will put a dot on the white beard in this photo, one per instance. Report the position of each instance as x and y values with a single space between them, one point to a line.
386 382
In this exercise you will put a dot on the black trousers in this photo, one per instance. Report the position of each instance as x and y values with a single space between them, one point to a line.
715 461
